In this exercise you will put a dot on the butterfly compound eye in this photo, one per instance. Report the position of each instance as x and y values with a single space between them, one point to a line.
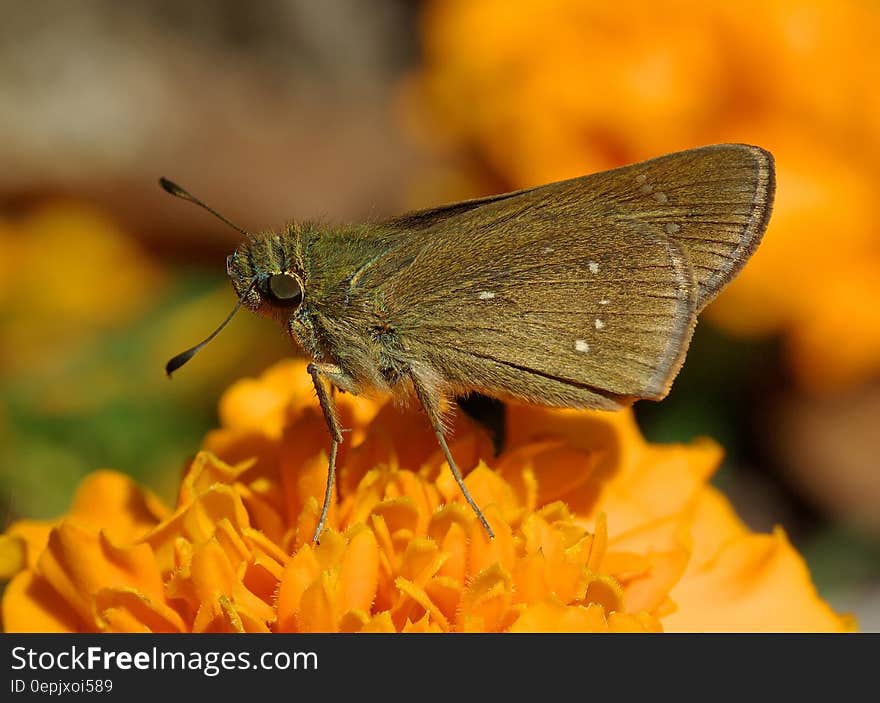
285 289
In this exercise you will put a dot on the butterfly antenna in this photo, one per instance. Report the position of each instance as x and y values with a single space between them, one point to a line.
177 361
177 191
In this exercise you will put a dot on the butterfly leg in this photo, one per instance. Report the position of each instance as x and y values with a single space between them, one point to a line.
320 372
432 408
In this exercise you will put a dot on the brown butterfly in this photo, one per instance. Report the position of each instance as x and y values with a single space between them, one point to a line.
582 293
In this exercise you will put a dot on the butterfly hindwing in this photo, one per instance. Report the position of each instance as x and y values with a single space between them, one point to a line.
537 306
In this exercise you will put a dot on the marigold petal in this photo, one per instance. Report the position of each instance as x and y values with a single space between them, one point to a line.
466 445
78 563
230 540
380 622
625 565
253 404
416 594
400 515
304 460
264 516
318 611
756 583
485 602
13 556
678 474
219 616
260 543
424 624
558 470
483 552
419 491
552 616
382 445
640 622
128 610
445 517
301 571
541 537
235 447
445 593
605 591
330 549
455 547
115 503
252 622
614 435
359 572
714 523
121 620
261 578
568 582
353 621
30 604
421 560
30 535
214 578
204 472
306 524
486 487
196 521
388 563
370 491
667 546
530 579
599 543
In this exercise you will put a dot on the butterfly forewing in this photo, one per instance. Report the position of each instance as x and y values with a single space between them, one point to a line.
715 201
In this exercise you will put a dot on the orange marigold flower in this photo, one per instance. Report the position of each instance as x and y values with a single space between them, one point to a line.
596 530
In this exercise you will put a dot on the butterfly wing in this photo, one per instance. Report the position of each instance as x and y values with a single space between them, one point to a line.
715 201
578 293
527 304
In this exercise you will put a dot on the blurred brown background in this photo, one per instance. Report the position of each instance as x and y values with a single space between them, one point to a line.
347 110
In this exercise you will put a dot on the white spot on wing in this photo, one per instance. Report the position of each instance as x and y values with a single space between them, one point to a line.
599 324
594 267
641 178
486 295
647 188
660 197
672 228
604 301
547 250
581 346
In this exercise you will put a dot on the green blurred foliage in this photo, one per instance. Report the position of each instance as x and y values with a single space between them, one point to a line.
109 404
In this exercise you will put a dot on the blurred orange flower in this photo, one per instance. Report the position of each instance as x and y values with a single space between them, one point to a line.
597 530
536 91
67 271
